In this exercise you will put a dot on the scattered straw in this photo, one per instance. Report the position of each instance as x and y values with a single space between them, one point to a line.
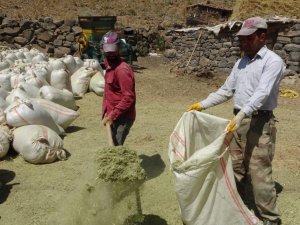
119 164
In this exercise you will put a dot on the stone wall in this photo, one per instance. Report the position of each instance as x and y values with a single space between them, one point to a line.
193 51
216 54
55 37
60 37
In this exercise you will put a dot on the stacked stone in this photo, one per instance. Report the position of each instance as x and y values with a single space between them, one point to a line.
288 47
216 54
55 37
211 54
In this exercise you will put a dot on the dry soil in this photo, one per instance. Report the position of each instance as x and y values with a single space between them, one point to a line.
66 192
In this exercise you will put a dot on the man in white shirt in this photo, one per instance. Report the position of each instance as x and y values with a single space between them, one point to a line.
254 86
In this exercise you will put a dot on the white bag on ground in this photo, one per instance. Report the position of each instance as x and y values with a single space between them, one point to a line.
205 184
16 79
4 64
70 63
35 80
92 63
61 97
61 79
56 64
79 62
28 112
3 104
16 93
5 82
38 144
31 90
97 83
5 139
61 115
80 80
3 93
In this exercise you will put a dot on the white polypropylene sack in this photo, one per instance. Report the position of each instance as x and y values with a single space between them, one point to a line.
11 58
3 93
16 93
30 90
97 83
56 64
205 184
61 97
3 104
16 79
60 79
39 70
40 57
35 80
92 63
5 82
5 139
38 144
70 63
79 62
80 80
20 55
61 115
4 64
28 112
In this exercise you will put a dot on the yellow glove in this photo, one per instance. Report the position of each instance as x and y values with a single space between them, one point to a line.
196 106
235 122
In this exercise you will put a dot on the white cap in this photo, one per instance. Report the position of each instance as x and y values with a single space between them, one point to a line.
251 25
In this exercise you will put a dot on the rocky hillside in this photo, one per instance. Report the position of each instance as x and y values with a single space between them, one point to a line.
133 13
148 14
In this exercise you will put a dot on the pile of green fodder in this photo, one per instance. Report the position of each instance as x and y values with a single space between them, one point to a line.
119 164
265 8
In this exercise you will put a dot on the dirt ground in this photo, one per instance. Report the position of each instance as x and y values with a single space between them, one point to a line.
52 193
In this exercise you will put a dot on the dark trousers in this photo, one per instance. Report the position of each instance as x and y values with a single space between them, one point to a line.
120 129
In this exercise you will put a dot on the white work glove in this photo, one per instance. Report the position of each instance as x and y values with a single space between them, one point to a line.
236 121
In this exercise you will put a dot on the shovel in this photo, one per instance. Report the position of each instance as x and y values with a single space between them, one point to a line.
109 135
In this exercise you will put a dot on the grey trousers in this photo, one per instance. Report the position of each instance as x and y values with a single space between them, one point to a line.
252 156
120 129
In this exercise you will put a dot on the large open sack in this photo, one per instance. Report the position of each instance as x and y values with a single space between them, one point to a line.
38 144
205 186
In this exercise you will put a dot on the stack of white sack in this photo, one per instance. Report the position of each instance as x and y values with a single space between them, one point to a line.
37 100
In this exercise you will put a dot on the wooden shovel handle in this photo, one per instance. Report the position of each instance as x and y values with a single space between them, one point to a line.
109 135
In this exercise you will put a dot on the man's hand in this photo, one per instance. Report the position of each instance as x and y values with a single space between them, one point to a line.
235 122
107 120
196 106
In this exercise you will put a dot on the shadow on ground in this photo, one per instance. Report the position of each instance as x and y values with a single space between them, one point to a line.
6 176
145 220
153 165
